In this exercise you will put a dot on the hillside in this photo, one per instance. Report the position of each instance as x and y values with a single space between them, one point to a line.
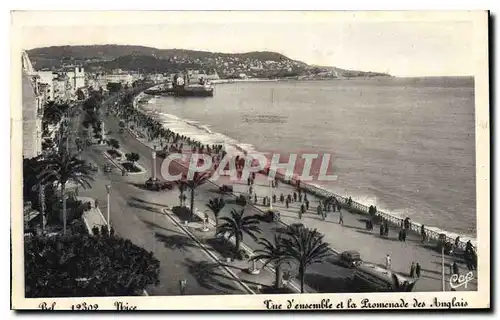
147 59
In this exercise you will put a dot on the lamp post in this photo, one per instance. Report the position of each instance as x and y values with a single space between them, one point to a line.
271 197
108 191
42 205
442 269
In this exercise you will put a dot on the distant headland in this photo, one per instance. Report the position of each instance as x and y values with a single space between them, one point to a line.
257 64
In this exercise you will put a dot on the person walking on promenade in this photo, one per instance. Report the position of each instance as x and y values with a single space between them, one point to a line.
295 196
301 211
412 270
96 203
248 181
341 219
276 183
307 204
282 198
418 269
382 229
422 233
264 201
388 262
255 198
253 176
386 228
305 196
287 202
457 242
274 198
300 197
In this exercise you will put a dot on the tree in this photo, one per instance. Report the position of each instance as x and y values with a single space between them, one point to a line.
272 253
216 205
115 144
86 266
236 225
305 247
199 178
132 157
62 167
401 286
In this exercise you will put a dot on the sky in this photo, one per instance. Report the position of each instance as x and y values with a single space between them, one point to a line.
401 45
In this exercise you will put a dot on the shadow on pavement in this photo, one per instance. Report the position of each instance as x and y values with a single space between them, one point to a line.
223 247
153 225
207 276
326 284
148 202
144 207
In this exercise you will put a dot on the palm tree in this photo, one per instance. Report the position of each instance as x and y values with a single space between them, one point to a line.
272 253
62 167
236 225
216 205
304 246
199 178
401 286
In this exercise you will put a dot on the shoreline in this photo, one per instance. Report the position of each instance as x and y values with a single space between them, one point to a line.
321 191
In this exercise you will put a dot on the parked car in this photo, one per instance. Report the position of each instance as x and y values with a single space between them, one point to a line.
350 258
226 188
107 168
157 185
93 167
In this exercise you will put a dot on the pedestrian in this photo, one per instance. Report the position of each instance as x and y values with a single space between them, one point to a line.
307 204
341 219
248 181
282 198
274 198
255 198
412 270
305 196
388 262
417 270
287 203
300 197
338 206
264 201
250 190
294 196
381 229
96 203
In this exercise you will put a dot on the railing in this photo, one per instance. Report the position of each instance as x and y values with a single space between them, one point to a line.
362 209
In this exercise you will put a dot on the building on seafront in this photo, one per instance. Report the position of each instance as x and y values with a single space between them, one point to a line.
32 110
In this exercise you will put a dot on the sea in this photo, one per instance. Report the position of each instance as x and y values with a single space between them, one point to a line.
406 145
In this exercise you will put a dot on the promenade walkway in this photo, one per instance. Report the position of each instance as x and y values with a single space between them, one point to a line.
352 235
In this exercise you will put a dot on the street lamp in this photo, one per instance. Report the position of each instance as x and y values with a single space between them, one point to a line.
154 162
108 191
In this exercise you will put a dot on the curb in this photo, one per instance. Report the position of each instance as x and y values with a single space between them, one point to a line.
202 246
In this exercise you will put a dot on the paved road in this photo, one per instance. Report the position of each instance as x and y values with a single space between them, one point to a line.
351 236
323 277
135 216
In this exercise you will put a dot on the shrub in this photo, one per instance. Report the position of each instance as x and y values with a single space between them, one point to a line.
83 266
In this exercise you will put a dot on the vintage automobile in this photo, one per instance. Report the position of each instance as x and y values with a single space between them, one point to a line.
350 259
157 185
93 167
